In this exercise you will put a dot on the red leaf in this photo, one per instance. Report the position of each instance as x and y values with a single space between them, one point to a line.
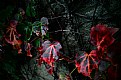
28 50
40 60
40 49
87 62
17 45
13 23
101 36
50 50
11 33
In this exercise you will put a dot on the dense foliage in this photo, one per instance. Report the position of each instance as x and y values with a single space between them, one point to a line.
60 40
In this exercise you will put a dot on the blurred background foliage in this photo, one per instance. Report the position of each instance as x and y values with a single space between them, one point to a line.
76 16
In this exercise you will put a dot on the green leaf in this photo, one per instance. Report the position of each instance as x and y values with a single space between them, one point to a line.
30 11
37 42
36 26
46 36
26 30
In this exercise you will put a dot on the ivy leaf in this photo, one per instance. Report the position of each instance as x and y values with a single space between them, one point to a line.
101 36
51 51
28 31
28 50
44 21
25 29
44 27
37 43
49 54
30 11
11 33
87 62
36 27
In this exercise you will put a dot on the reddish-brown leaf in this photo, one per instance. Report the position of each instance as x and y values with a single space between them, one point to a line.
87 62
101 36
28 50
11 33
49 51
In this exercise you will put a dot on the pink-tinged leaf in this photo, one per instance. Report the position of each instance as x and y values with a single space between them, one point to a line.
113 30
13 23
11 33
87 62
19 51
50 51
46 44
101 36
29 53
77 64
17 45
28 50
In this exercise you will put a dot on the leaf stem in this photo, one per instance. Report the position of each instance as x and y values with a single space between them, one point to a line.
72 71
33 39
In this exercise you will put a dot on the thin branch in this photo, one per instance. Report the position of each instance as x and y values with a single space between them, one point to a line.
55 17
83 16
60 31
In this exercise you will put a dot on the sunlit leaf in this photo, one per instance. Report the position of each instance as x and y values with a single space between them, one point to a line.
51 50
87 62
